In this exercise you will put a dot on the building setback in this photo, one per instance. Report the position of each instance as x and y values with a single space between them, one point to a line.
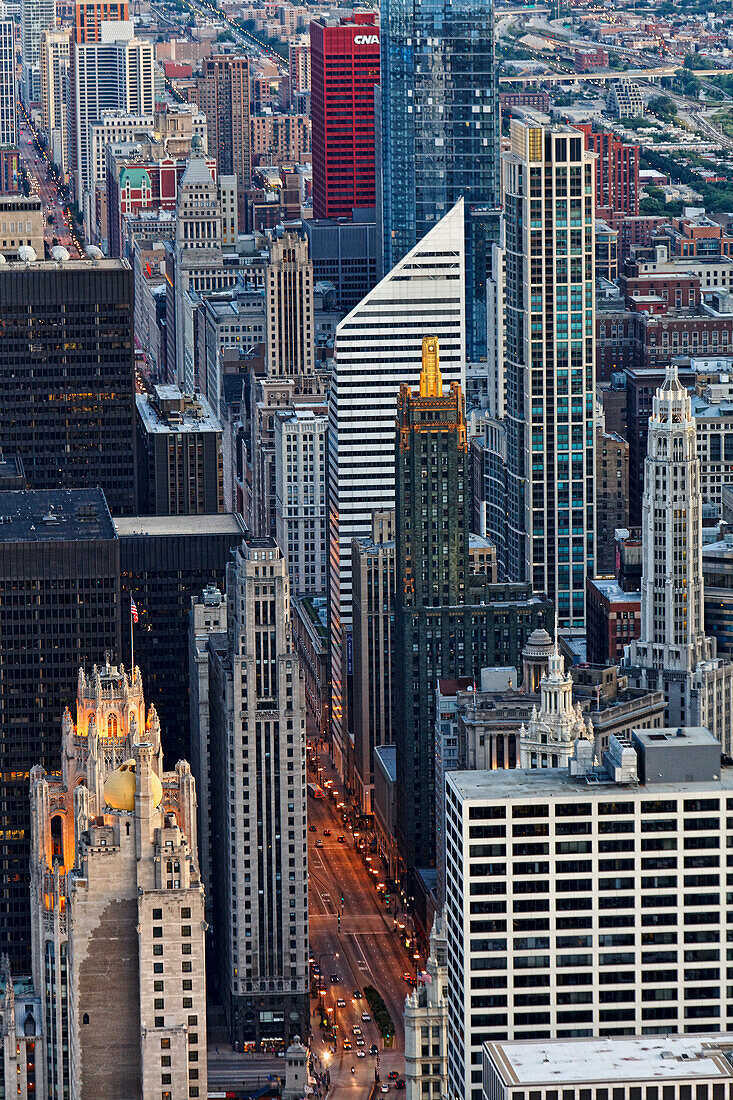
59 609
69 405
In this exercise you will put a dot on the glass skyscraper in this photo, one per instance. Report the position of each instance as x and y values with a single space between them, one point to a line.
439 134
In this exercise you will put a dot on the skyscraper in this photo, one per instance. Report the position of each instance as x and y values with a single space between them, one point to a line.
549 362
289 308
439 134
36 16
59 608
69 405
258 812
344 71
8 120
223 95
55 53
673 653
378 348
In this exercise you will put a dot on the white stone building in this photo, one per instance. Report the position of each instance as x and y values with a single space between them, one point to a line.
548 739
300 496
117 906
426 1024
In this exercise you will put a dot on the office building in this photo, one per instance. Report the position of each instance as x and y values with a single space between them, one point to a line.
613 619
673 654
258 806
8 120
179 454
55 55
66 438
60 607
549 349
22 224
586 902
36 16
300 491
612 495
20 1025
164 562
379 347
439 136
289 308
89 15
676 1064
222 93
717 576
344 253
117 905
344 71
283 140
548 739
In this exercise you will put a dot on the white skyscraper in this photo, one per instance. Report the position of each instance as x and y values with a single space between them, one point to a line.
673 654
379 347
8 121
36 16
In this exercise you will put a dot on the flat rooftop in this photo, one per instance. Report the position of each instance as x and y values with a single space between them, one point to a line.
222 523
587 1061
54 515
197 416
612 590
105 263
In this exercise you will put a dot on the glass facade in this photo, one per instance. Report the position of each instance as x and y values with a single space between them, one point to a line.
440 134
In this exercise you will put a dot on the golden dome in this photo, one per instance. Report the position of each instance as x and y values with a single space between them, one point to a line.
119 788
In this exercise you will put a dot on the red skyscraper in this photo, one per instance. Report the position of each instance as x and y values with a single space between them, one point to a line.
344 71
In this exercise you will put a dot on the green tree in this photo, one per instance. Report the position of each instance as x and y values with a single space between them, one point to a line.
663 107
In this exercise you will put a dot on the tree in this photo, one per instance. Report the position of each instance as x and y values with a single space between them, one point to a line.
663 107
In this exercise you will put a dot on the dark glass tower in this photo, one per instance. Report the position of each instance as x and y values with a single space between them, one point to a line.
439 134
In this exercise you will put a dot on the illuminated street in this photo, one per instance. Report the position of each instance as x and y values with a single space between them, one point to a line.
36 166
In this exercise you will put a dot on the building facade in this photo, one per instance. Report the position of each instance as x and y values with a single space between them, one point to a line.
344 71
289 308
612 495
550 364
55 54
223 95
8 120
300 490
114 862
36 16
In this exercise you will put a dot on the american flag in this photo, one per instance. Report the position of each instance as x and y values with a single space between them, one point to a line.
133 610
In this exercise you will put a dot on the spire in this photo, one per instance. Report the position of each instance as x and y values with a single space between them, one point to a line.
671 379
431 380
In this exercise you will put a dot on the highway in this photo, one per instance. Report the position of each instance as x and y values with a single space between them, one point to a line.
368 948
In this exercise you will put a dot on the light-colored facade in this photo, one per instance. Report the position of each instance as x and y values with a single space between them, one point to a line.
548 739
379 348
289 308
300 492
550 363
55 47
258 806
673 653
117 906
21 1073
426 1025
587 901
21 223
36 16
8 119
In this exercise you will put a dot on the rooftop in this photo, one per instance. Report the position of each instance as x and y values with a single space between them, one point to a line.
54 515
167 409
222 523
612 590
588 1061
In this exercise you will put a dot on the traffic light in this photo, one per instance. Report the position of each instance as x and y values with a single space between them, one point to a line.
342 899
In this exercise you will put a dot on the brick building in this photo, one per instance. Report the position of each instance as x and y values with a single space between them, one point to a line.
612 495
613 619
617 168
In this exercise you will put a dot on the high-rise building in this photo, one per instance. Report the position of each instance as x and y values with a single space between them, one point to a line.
612 495
179 454
567 909
222 93
426 1024
55 55
60 608
164 562
8 119
549 361
617 170
379 347
117 905
289 312
439 135
36 16
69 406
673 653
300 490
258 805
345 253
89 15
344 71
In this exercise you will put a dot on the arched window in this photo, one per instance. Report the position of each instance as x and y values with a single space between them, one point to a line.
112 725
85 1018
57 837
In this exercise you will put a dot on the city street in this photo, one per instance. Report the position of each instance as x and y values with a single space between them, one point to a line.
44 185
369 952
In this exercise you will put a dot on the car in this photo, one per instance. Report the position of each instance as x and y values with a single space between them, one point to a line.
326 832
319 843
347 1044
340 1003
335 978
384 1088
392 1075
357 994
360 1042
360 1054
355 1029
365 1017
312 829
373 1048
407 977
400 1084
341 839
